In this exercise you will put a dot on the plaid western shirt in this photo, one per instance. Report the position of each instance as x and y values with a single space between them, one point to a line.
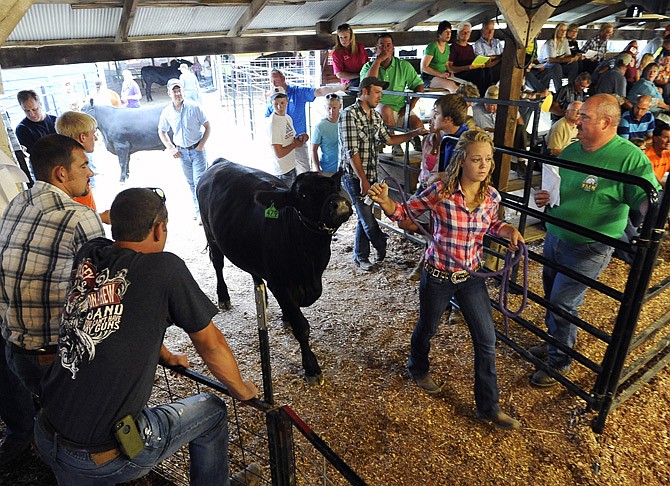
595 44
455 228
40 233
361 135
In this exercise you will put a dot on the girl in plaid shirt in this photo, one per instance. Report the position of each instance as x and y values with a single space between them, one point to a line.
464 207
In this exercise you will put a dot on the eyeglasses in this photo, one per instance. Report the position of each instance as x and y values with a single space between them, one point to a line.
332 96
158 192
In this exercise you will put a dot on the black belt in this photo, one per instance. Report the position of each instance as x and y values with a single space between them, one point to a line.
191 147
107 447
455 277
46 350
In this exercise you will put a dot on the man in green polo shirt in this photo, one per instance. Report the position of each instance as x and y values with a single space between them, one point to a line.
589 201
400 75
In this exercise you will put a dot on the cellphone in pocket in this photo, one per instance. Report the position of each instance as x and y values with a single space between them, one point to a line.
128 436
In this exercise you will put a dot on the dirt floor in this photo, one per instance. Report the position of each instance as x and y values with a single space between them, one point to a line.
371 414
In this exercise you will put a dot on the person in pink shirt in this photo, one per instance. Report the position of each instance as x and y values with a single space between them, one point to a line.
349 56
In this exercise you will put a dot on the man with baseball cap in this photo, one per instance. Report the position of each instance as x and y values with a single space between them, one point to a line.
361 130
191 130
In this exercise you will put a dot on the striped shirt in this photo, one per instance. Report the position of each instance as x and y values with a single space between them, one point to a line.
361 135
40 233
455 228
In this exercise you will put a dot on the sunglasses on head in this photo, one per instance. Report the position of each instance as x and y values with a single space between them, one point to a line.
158 192
332 96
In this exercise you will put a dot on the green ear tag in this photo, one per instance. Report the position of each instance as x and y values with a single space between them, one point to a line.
272 212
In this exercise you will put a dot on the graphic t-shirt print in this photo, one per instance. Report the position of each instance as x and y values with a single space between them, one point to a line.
93 311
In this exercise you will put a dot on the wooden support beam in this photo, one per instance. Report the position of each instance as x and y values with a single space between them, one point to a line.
11 13
484 16
425 14
127 18
523 22
247 17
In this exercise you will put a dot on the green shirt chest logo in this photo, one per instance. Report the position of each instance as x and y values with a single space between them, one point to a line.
590 184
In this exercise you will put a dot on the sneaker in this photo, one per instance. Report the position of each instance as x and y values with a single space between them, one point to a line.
428 385
500 420
542 379
397 151
11 449
416 143
250 476
364 264
539 351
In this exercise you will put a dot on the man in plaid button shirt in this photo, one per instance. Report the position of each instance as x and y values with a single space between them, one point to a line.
360 130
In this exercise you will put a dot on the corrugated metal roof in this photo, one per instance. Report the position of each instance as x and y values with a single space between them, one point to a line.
385 13
55 22
185 20
292 16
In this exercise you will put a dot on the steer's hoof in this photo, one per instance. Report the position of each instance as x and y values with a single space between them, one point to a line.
315 380
224 305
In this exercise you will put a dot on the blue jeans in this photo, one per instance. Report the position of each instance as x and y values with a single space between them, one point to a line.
16 403
287 178
201 421
473 299
367 228
587 259
30 368
194 164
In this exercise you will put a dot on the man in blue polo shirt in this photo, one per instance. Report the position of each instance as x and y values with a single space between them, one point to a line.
638 122
298 96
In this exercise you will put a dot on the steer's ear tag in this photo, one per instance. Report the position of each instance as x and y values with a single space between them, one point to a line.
272 212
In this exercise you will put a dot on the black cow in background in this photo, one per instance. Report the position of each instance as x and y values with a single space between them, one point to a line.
161 74
127 130
276 234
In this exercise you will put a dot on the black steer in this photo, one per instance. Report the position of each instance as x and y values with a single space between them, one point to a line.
161 74
127 130
277 234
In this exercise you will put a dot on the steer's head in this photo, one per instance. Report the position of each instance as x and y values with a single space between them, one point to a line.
317 198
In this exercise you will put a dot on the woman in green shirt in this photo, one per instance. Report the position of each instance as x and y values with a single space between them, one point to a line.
434 71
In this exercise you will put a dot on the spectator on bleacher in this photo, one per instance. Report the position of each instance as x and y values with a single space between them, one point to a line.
488 45
613 81
663 79
485 115
461 56
564 131
349 56
95 426
557 51
538 75
571 35
400 75
324 137
645 60
659 152
655 45
298 97
632 73
434 71
598 43
567 94
665 49
646 86
638 122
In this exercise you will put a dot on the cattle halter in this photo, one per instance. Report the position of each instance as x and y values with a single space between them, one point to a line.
317 227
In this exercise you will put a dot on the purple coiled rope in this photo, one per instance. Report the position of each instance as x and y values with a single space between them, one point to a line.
505 273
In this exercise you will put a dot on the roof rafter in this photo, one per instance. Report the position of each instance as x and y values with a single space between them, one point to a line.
247 17
601 14
11 14
348 13
127 18
424 14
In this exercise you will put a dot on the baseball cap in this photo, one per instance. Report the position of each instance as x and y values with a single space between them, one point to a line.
624 59
173 82
372 81
278 92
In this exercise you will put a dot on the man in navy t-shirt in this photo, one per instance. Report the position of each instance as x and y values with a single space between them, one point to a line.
37 123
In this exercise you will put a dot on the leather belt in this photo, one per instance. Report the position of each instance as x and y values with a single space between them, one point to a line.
454 277
100 453
52 349
191 147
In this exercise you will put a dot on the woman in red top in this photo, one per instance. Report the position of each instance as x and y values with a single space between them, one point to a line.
461 55
464 206
349 56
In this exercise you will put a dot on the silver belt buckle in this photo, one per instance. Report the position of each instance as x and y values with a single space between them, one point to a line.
459 277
